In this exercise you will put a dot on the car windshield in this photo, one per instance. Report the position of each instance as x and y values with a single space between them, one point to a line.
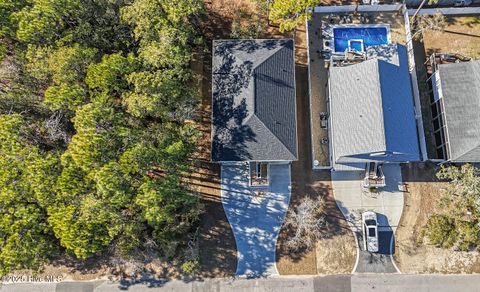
370 222
371 232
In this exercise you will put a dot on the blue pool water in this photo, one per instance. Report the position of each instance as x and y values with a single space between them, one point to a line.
371 36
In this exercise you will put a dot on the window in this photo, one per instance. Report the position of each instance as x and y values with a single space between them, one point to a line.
258 173
436 124
441 153
438 138
434 110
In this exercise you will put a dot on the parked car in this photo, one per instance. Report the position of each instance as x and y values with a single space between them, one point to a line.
462 3
370 231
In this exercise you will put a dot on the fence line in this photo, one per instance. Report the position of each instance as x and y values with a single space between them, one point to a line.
359 8
396 7
448 11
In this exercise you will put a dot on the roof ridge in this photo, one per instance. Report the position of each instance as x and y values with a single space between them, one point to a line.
281 47
380 96
468 151
270 131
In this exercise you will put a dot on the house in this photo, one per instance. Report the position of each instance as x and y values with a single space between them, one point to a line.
372 119
456 111
253 104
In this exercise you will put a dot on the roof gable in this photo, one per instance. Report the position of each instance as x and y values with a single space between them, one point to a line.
372 111
253 94
461 101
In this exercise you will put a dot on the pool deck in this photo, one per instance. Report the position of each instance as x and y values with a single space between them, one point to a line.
318 73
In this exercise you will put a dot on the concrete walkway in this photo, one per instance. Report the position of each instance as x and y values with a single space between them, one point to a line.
353 200
338 283
255 217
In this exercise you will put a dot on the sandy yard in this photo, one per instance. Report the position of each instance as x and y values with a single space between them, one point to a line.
462 35
412 256
334 254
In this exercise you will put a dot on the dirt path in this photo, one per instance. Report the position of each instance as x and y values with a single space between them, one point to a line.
217 250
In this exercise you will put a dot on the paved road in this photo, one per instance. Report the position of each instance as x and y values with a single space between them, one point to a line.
256 219
342 283
353 200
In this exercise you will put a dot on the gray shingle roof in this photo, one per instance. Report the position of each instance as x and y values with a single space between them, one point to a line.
253 101
372 111
461 100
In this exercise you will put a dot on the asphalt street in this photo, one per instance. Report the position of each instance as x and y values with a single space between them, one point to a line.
343 283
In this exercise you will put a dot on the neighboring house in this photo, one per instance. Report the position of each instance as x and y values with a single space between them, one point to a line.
372 119
456 111
253 104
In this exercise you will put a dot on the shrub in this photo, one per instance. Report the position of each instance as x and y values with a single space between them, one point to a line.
191 267
305 222
440 230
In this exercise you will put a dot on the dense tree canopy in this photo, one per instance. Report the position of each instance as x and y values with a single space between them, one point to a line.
94 141
289 14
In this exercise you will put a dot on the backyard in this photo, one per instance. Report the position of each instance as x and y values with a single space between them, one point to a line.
461 35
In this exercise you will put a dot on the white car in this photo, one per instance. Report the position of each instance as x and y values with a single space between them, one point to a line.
370 231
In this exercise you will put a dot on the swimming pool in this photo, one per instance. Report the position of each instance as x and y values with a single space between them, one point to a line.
359 37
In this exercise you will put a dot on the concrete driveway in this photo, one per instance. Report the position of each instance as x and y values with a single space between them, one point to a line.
353 200
256 218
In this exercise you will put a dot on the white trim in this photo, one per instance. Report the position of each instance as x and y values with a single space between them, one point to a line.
392 240
362 45
312 150
378 25
414 82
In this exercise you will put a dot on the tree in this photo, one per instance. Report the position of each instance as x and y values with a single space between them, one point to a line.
291 13
8 8
109 75
457 223
95 143
441 231
161 94
165 30
306 222
26 239
429 22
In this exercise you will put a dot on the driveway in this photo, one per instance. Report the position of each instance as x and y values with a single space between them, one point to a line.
353 199
255 217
